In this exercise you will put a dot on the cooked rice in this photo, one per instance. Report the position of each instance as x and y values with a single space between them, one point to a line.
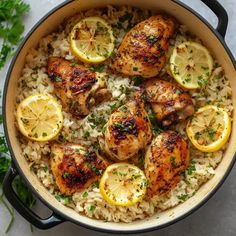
35 80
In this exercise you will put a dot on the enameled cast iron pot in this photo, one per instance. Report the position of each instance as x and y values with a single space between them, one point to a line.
213 39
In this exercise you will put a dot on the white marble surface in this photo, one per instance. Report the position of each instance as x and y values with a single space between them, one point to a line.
217 217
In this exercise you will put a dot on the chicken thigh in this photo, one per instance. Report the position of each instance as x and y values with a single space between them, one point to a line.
78 88
144 48
166 159
127 131
169 102
74 167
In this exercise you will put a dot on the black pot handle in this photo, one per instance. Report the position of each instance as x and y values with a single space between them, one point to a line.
221 14
27 213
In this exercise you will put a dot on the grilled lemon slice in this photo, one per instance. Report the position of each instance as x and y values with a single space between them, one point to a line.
209 129
39 117
191 65
123 184
92 40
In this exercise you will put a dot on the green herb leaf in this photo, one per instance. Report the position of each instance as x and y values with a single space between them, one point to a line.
137 80
191 169
85 194
92 208
5 164
156 128
11 27
173 161
99 68
183 197
23 192
64 198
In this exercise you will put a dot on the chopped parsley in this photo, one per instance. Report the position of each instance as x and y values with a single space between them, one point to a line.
113 106
98 68
136 176
57 79
211 133
97 121
66 174
86 134
137 80
156 128
151 39
85 194
95 184
178 92
45 168
64 198
173 161
183 197
92 208
191 169
73 63
201 81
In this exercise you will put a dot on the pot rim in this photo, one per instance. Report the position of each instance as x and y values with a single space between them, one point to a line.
58 212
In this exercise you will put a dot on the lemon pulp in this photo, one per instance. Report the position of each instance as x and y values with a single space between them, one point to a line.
123 184
92 40
191 65
209 129
39 117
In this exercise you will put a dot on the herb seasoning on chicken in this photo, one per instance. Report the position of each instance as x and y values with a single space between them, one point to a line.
169 102
144 48
166 159
75 168
78 88
127 131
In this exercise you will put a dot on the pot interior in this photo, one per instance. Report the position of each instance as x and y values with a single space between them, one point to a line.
48 25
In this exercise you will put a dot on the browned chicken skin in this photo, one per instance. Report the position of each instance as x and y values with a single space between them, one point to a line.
127 131
74 167
144 48
166 159
169 102
78 88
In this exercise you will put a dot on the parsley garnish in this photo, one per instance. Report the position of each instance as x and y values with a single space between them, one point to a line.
173 161
183 197
85 194
137 80
92 208
11 27
99 68
156 129
64 198
191 169
22 191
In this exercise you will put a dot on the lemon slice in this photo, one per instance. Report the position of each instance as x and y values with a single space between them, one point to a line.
39 117
123 184
209 129
92 40
191 65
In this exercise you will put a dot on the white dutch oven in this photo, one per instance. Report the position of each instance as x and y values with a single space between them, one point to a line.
213 39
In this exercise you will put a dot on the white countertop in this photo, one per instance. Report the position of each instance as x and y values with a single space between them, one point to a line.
217 217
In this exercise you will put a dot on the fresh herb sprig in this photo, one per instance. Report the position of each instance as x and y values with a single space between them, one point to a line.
21 190
11 27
